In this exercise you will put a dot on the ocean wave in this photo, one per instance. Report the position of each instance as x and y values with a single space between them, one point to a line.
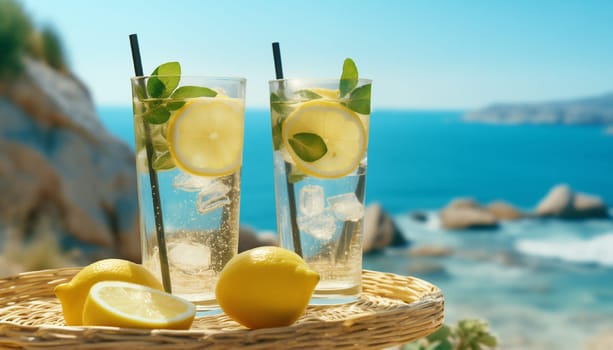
593 250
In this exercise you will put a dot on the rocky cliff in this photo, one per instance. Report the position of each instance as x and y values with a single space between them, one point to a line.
592 110
62 175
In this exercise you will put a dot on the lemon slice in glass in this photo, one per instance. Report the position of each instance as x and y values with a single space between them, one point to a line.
130 305
340 129
326 93
205 136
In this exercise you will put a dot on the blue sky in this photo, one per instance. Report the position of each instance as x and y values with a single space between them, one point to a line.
430 54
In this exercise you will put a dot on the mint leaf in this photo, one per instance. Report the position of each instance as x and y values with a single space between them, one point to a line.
168 68
309 147
193 91
274 98
159 87
155 87
308 94
349 77
163 161
174 105
158 115
359 99
278 105
277 139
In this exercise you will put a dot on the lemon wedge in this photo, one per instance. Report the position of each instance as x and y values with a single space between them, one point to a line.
265 287
72 295
205 136
340 129
124 304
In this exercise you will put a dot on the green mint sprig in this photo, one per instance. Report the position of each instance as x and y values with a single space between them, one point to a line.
309 146
162 86
356 99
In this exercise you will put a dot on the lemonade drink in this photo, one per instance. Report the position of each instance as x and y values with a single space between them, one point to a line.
320 138
195 134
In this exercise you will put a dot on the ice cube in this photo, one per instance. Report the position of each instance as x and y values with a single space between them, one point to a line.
346 207
190 183
311 200
321 226
189 257
212 197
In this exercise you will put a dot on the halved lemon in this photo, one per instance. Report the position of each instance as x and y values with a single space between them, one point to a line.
205 136
124 304
340 129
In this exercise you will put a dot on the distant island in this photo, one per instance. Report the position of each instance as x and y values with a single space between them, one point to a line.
596 110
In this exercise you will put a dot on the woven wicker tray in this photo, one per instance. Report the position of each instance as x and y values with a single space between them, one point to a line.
392 310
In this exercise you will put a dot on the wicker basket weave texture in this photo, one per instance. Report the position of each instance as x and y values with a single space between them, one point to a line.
392 310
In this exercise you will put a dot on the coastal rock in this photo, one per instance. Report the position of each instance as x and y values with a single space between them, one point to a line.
466 213
504 211
248 239
60 165
562 202
380 231
558 202
589 206
591 110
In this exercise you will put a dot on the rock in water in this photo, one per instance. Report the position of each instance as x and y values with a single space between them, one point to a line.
380 231
466 213
504 211
562 202
57 161
558 202
589 206
467 218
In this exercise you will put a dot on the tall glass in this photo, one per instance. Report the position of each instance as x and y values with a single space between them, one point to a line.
320 147
189 148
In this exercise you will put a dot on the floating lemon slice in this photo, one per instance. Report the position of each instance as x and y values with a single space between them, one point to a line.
340 129
123 304
205 136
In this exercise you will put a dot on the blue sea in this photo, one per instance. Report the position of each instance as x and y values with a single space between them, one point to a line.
542 284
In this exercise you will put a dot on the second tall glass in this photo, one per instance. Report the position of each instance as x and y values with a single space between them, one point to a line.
320 142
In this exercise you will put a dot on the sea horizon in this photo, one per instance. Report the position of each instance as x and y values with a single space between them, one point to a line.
423 159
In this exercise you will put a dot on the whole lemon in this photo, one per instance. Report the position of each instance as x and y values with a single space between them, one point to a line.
265 287
72 295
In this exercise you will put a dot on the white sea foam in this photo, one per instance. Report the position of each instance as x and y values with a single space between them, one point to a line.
598 249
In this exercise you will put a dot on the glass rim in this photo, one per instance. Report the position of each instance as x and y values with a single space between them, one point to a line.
321 79
193 76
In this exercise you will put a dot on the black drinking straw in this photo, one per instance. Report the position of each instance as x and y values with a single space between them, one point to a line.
153 178
291 194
